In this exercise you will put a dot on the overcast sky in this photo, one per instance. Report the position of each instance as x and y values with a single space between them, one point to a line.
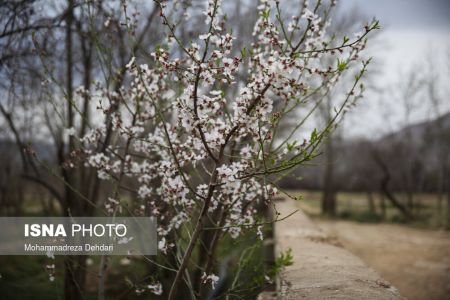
414 33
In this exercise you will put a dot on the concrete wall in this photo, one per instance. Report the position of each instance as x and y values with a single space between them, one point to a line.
322 269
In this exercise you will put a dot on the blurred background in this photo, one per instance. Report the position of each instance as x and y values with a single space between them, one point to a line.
381 184
394 146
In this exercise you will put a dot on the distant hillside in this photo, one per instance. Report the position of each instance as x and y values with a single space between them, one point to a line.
417 156
422 133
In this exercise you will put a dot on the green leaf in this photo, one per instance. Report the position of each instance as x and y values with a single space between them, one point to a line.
346 39
284 259
244 52
299 198
314 136
341 65
290 146
376 25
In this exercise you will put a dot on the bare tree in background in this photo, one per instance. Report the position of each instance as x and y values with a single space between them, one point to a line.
34 43
344 23
415 159
439 135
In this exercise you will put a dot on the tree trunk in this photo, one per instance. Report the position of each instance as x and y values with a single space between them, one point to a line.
383 206
384 187
75 277
75 266
329 194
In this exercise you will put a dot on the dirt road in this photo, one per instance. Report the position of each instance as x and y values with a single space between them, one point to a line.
416 261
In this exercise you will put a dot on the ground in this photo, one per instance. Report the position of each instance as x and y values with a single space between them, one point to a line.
416 261
414 257
321 268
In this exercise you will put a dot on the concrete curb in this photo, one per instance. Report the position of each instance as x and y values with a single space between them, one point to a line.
322 269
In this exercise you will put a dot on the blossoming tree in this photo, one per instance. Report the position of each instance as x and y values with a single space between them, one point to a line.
204 160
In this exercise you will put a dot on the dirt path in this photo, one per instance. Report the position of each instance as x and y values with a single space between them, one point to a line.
416 261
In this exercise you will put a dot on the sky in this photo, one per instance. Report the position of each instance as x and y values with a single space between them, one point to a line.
415 35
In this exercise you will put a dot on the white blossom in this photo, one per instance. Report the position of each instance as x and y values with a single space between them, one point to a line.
200 131
155 288
213 279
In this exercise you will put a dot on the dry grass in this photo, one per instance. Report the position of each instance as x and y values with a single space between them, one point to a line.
428 209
